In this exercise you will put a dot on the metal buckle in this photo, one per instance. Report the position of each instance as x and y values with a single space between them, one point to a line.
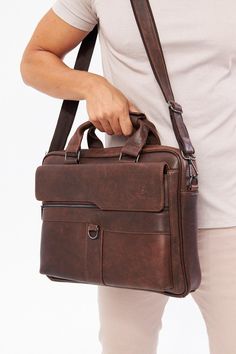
176 107
188 157
136 160
67 154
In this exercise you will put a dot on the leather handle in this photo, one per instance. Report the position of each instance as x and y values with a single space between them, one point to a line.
142 136
93 140
152 137
144 133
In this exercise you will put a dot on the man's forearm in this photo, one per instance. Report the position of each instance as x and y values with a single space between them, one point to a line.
49 74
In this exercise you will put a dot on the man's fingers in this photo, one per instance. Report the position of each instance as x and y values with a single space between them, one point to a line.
106 126
125 121
118 125
97 125
115 125
126 124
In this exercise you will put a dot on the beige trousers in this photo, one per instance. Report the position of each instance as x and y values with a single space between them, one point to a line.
130 320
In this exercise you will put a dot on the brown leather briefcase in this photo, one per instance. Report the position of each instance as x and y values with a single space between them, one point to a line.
123 216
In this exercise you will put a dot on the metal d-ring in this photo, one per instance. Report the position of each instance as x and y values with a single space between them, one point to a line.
96 230
77 156
136 160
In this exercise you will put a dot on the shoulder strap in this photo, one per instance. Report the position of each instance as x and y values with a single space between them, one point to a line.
148 31
69 107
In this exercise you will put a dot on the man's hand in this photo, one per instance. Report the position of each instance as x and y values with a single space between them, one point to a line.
108 108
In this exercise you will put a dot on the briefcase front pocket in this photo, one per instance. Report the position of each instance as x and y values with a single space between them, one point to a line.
63 246
121 251
137 260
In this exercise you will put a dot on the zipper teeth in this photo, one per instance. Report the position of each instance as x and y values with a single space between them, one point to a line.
81 205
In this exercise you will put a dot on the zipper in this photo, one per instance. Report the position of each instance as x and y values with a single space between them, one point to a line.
76 205
71 205
66 205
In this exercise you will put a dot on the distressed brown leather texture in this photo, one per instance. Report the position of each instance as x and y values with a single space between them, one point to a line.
123 216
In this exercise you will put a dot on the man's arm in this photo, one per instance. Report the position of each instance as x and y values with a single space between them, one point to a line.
42 67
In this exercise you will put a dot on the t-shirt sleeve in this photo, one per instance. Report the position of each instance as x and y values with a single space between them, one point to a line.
78 13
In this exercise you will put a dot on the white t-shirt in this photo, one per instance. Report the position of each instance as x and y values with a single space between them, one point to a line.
199 45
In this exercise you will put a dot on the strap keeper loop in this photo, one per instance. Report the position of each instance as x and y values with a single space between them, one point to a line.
174 106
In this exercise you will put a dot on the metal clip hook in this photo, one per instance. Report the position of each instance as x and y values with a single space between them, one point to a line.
193 172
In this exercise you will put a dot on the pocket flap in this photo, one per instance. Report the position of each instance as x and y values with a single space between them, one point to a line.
112 186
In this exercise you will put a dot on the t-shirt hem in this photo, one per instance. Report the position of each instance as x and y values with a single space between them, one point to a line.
68 16
216 224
